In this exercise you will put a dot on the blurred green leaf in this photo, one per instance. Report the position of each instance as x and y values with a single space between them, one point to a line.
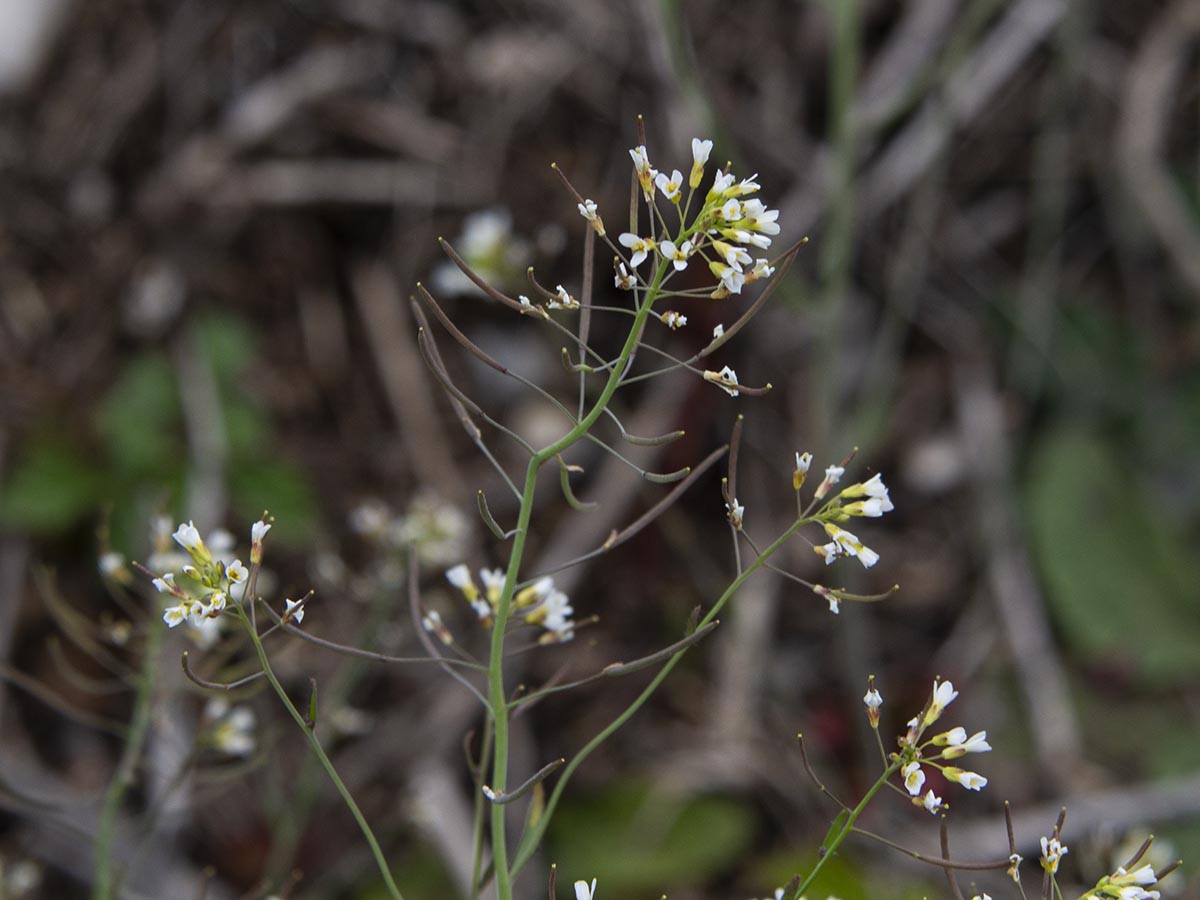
1119 580
279 486
228 346
51 486
843 876
139 418
638 840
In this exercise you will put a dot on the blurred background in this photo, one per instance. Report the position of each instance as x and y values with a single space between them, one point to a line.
212 215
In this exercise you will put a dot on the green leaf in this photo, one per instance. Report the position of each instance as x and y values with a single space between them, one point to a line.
139 418
1119 579
52 486
838 823
228 346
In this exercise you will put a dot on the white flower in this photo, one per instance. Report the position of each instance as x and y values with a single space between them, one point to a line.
258 531
732 210
493 584
872 699
1144 876
588 210
803 461
678 255
976 743
645 174
584 891
460 577
233 732
482 609
111 563
1053 850
851 545
558 615
176 615
20 878
933 803
914 778
673 320
622 279
236 572
733 255
700 151
834 604
829 552
833 474
525 303
166 585
641 247
757 217
298 615
188 537
432 622
216 602
563 299
744 187
731 277
876 492
972 781
670 187
718 331
734 513
873 507
943 694
1014 867
726 380
761 270
534 593
721 184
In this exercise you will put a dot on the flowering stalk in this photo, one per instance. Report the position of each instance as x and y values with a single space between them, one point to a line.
496 693
122 780
318 751
533 837
847 826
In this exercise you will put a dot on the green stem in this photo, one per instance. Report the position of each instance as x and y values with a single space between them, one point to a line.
123 777
531 840
496 692
324 760
847 826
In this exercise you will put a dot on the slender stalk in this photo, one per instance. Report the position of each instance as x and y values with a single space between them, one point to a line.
847 827
322 758
496 692
532 838
122 779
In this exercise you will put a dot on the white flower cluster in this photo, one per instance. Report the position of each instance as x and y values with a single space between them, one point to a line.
868 498
232 728
937 750
436 529
1120 885
539 603
728 222
206 579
